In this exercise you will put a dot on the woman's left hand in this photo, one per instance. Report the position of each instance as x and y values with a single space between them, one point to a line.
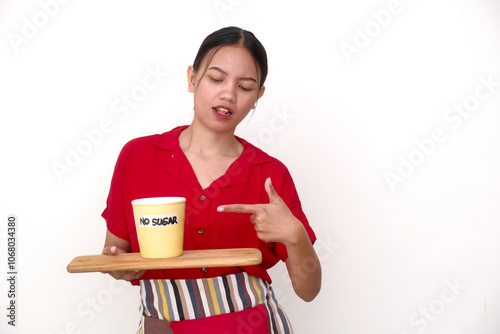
273 222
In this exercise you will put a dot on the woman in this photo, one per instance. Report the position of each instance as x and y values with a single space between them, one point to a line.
236 197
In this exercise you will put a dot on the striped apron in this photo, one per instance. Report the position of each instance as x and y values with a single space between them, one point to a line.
166 302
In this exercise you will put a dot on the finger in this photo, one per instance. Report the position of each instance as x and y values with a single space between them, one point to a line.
271 192
132 275
139 274
120 250
126 275
123 275
240 208
110 250
113 250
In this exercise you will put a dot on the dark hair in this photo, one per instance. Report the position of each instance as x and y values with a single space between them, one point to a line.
234 36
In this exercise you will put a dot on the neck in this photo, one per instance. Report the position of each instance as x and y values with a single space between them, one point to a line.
201 141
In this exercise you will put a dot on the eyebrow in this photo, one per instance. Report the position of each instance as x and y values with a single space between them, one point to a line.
220 70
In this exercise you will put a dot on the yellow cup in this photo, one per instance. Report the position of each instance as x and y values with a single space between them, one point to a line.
160 226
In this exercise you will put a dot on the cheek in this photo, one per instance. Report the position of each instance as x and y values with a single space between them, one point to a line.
201 93
248 100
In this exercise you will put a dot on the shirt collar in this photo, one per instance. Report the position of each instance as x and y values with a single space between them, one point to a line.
251 154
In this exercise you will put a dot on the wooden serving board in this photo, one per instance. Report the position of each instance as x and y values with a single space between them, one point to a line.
234 257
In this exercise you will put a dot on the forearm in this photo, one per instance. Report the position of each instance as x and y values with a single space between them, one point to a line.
274 222
303 267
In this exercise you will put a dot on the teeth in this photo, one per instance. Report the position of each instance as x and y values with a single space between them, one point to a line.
223 111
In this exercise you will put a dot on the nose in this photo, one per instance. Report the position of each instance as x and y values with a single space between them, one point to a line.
227 92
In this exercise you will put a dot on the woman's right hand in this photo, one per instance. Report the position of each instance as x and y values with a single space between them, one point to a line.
124 275
115 245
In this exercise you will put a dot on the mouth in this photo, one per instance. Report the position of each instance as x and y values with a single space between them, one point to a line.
224 111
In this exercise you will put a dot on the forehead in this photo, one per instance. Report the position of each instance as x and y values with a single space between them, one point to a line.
232 58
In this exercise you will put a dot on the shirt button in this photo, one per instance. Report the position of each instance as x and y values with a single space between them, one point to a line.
203 198
201 231
205 270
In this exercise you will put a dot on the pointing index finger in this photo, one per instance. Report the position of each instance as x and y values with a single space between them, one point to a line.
239 208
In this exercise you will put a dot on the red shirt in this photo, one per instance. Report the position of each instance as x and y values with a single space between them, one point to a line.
155 166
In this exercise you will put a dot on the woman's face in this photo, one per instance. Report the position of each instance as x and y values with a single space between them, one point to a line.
225 93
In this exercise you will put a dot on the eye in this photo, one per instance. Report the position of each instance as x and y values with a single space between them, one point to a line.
215 79
245 89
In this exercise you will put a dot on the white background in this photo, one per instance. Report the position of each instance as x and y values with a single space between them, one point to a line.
420 256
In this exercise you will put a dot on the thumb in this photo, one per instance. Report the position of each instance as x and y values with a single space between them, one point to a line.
109 250
112 250
271 192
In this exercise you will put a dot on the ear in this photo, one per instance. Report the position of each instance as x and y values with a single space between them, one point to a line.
261 92
191 76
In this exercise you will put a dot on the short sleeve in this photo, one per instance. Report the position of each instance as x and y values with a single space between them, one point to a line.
290 196
115 213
